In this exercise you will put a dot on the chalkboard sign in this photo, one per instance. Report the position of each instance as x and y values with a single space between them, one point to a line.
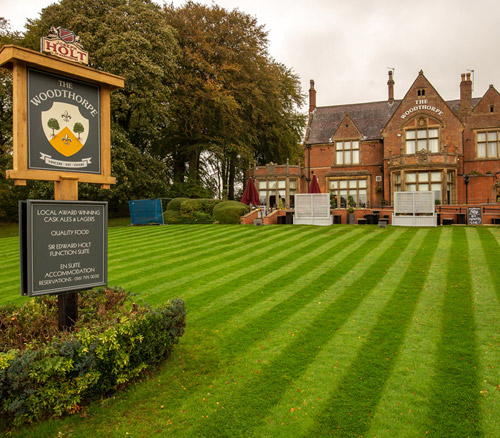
474 215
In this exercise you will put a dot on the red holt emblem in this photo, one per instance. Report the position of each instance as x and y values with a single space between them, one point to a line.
66 35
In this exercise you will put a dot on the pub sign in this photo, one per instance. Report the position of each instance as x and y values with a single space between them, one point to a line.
63 124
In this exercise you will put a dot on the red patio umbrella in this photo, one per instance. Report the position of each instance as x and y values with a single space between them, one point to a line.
314 187
250 194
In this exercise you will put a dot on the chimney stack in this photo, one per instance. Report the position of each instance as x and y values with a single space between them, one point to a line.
390 84
312 97
465 95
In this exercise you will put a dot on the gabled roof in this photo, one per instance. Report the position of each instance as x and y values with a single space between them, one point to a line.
370 118
455 104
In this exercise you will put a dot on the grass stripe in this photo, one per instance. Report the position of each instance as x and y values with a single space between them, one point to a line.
403 408
484 254
210 267
160 253
350 409
290 363
491 248
246 267
176 243
284 270
294 414
256 328
272 346
454 400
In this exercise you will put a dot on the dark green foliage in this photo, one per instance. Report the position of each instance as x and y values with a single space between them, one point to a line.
54 373
190 211
175 204
206 206
144 179
230 212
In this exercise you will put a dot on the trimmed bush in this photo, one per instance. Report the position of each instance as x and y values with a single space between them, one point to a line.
230 212
113 342
175 204
201 205
190 211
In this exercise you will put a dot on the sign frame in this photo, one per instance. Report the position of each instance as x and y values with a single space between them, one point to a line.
19 60
36 259
474 216
38 142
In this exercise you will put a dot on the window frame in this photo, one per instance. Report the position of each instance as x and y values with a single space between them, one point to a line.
416 138
349 151
486 143
349 189
273 188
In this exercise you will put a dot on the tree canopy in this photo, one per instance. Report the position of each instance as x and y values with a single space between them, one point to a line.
231 100
203 98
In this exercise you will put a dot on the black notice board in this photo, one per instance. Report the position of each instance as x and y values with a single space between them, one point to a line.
63 246
474 215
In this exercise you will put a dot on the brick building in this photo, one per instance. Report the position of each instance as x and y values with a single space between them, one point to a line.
362 153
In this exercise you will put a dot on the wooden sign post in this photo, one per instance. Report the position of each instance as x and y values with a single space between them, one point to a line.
61 129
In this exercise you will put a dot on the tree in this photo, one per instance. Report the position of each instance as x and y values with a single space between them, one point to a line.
53 124
78 128
231 100
129 38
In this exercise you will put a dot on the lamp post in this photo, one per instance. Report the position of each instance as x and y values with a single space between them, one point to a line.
308 179
466 181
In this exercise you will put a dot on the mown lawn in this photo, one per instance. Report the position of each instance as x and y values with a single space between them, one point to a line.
297 331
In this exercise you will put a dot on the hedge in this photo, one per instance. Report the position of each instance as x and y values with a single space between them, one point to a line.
230 212
175 204
201 205
114 341
190 211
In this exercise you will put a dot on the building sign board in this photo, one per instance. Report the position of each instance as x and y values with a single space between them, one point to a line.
474 216
63 124
422 104
64 44
63 246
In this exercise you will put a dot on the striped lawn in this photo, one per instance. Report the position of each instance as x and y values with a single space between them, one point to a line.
343 331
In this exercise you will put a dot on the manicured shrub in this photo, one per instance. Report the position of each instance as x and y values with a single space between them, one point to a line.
175 204
114 341
190 211
201 205
172 217
230 212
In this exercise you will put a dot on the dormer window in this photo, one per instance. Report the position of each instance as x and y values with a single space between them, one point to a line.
347 152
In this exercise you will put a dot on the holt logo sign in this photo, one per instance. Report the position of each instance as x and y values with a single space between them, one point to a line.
64 44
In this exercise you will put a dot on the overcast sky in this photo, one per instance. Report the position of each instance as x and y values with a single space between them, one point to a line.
346 46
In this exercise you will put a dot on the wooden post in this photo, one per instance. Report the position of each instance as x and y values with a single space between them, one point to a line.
23 62
66 189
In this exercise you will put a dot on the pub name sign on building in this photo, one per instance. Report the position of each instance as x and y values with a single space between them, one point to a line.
365 152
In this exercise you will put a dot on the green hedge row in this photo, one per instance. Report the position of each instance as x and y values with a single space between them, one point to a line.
190 211
58 376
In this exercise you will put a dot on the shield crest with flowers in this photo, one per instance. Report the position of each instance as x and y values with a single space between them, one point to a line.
65 128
